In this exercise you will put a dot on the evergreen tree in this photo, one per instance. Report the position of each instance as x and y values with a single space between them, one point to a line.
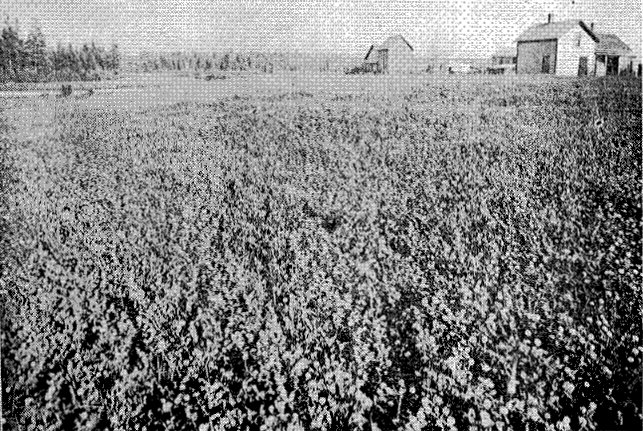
225 62
36 52
98 53
114 57
11 52
88 61
30 60
59 61
73 63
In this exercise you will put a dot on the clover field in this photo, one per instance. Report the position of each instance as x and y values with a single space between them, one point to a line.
447 256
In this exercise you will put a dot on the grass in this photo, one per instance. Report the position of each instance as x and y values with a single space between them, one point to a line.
437 255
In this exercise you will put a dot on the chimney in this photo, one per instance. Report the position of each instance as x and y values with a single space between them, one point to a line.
550 18
591 27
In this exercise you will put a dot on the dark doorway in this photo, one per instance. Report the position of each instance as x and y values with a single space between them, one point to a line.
582 66
546 64
612 65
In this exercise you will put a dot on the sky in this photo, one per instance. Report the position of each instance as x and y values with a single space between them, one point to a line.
440 28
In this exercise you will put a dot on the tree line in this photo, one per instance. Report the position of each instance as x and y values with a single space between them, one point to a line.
29 59
213 62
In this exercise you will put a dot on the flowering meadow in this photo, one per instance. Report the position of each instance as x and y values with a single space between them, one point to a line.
445 257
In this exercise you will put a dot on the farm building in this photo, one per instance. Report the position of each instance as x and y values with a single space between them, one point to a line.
613 56
460 65
395 55
561 48
463 67
503 61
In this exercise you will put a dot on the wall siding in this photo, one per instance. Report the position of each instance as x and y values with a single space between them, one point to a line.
569 52
400 57
530 56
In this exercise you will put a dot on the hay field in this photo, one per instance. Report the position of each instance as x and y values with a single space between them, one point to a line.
350 253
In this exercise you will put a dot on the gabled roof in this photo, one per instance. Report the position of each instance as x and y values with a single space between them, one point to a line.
392 39
554 30
611 44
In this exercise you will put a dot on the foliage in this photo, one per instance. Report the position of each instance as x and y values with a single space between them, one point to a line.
445 258
258 62
29 60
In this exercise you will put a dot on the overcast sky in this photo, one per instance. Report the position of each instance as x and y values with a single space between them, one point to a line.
457 28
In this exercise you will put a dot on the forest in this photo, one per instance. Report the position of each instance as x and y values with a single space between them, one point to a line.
29 58
251 61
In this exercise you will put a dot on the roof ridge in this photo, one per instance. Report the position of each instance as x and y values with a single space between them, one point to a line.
554 30
565 21
398 36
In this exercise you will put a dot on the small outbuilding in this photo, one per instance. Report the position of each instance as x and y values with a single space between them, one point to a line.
395 55
613 56
503 61
562 48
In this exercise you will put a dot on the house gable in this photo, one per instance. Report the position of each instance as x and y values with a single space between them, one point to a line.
576 47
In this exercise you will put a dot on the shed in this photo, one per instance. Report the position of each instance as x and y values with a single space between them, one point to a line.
561 48
613 56
503 61
395 55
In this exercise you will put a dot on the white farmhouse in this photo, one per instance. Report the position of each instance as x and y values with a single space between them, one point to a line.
562 48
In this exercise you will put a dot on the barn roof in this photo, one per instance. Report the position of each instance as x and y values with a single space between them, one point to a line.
386 44
395 38
611 44
554 30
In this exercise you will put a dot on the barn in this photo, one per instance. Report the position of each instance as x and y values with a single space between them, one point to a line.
562 48
613 56
395 55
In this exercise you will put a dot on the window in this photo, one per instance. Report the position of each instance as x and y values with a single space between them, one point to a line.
579 40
